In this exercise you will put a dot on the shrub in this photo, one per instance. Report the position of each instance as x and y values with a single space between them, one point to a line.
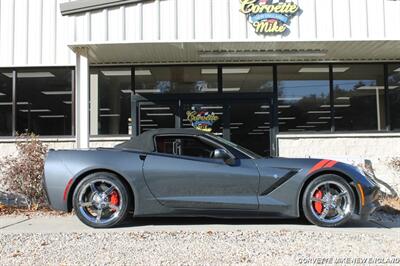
22 172
395 164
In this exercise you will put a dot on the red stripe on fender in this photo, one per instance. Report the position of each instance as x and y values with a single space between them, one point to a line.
67 188
318 166
330 164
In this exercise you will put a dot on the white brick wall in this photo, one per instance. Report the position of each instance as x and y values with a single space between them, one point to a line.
380 150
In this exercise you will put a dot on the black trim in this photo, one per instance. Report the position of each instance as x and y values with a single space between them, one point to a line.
332 98
14 103
280 182
73 102
274 129
388 118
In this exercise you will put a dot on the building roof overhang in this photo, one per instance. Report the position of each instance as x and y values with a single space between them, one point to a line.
195 52
80 6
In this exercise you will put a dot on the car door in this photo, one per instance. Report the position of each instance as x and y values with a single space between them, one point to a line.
182 175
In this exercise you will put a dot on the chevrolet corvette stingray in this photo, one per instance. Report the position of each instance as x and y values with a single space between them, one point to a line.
186 172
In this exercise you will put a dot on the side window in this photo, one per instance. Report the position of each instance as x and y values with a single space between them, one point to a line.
195 147
182 145
165 144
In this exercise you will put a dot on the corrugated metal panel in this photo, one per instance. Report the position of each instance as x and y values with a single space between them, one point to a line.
34 32
326 51
220 20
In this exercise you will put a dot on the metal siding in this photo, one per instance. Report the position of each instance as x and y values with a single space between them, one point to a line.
392 19
33 33
324 19
376 21
203 19
185 20
20 43
48 35
6 34
167 17
150 24
115 24
341 19
133 22
358 19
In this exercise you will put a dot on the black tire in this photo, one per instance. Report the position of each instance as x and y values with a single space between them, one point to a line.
312 215
125 199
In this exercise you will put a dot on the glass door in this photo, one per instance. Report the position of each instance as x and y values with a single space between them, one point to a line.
250 124
156 115
245 121
208 117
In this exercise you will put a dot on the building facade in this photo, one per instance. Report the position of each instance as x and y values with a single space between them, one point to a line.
299 78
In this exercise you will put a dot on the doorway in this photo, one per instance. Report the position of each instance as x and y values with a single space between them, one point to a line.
245 121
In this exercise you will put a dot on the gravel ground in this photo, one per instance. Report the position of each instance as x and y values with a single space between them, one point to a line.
279 247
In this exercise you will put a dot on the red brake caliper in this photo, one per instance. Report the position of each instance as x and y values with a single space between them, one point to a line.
318 207
114 198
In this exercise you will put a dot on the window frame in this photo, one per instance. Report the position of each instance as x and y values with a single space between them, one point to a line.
14 71
200 138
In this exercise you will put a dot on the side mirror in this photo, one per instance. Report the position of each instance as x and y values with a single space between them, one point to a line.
223 154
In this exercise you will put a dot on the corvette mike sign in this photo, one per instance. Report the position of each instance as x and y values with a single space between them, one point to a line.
269 16
203 120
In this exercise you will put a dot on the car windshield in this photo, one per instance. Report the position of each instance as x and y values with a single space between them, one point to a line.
235 146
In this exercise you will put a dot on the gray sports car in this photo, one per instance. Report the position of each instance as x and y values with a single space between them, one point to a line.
185 172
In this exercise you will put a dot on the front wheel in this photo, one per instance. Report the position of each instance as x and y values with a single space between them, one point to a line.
101 200
328 201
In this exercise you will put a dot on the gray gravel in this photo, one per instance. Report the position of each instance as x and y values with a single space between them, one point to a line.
280 247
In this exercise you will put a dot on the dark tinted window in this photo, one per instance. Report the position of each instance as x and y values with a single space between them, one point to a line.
359 97
176 79
44 97
187 146
247 79
110 104
303 98
157 115
394 95
5 102
165 144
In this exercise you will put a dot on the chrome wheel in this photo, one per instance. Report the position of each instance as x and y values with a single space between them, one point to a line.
330 202
100 201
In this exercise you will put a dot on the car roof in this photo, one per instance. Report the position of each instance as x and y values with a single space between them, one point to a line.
145 141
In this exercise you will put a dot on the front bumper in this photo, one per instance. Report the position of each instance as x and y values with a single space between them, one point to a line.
371 202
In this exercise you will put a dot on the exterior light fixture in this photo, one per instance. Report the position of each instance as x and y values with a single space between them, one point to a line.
56 92
51 116
261 53
323 69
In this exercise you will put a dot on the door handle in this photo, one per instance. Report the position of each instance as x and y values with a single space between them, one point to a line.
142 157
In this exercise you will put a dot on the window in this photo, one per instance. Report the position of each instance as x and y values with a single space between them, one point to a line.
110 101
359 97
394 95
250 126
183 145
176 79
303 98
157 116
247 79
44 101
6 102
203 116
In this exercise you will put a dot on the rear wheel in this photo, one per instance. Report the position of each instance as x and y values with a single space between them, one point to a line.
101 200
328 201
